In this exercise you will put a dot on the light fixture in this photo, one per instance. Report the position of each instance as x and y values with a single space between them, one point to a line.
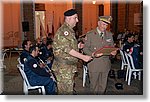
94 1
37 13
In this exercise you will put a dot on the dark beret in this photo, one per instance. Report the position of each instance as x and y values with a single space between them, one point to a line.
70 12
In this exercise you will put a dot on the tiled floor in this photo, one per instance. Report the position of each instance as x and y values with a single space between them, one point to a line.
13 81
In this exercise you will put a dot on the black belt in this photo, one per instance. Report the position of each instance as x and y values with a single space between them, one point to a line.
65 61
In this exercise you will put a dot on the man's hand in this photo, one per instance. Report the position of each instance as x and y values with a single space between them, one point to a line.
53 78
87 58
80 45
114 52
42 65
97 55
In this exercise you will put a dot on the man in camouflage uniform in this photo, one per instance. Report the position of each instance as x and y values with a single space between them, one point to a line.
100 65
66 53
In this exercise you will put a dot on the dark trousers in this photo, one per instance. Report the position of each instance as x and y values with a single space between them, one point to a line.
47 82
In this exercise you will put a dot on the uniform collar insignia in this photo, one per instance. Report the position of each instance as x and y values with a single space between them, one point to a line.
99 32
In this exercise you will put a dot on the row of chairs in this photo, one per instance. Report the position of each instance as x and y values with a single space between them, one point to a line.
127 62
2 58
85 74
26 84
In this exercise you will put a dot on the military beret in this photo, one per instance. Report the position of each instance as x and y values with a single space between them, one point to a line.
106 19
70 12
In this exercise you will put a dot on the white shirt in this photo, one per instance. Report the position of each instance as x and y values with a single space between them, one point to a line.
101 34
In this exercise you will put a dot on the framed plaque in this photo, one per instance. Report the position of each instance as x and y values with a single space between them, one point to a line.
105 50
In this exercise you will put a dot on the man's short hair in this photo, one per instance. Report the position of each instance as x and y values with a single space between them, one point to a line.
130 35
25 42
32 48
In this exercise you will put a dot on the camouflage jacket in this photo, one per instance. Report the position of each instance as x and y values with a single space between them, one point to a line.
64 42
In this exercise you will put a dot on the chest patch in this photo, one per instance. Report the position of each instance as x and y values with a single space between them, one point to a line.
66 33
25 59
34 65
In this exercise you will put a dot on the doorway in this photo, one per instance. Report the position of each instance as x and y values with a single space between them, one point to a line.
40 24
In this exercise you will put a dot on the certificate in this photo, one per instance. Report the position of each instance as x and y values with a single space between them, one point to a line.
106 50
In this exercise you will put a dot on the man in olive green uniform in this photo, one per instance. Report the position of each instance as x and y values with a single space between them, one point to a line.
66 53
99 67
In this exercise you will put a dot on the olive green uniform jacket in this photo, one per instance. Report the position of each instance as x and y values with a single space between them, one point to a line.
94 42
98 67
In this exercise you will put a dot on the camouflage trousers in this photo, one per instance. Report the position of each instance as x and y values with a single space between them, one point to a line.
64 74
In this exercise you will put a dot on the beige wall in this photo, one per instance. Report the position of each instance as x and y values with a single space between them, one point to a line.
11 24
90 17
12 20
55 14
90 14
1 28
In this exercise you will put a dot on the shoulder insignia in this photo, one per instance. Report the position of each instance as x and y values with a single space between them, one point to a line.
66 33
34 65
25 59
40 53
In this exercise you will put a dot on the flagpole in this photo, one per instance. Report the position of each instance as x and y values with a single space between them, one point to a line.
53 24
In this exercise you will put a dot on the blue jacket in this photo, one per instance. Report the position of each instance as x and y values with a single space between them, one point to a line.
38 76
23 56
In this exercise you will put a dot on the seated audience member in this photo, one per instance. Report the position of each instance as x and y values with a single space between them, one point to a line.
130 47
49 37
43 44
129 43
46 54
36 73
38 42
25 45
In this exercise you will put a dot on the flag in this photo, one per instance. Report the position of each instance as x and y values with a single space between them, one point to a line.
47 28
53 24
52 30
59 22
42 31
91 25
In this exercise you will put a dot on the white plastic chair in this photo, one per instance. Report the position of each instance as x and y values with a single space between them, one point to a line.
26 84
18 59
124 63
2 57
132 70
85 73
